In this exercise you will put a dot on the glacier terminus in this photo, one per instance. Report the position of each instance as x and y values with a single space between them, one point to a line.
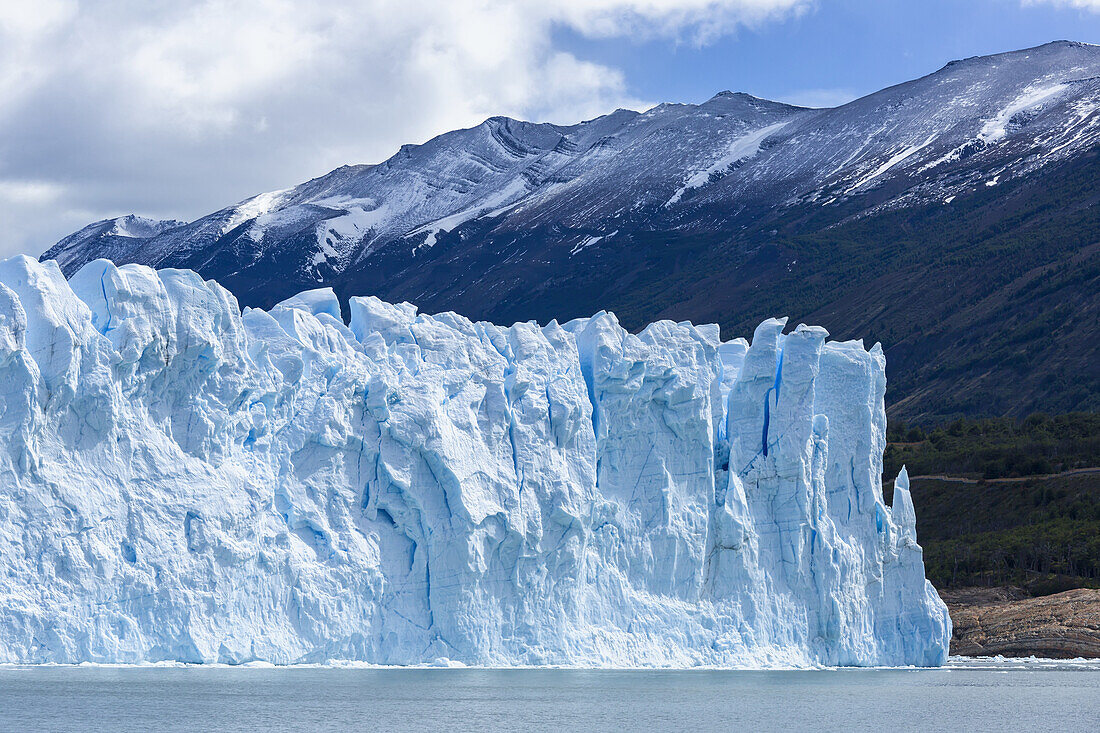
181 480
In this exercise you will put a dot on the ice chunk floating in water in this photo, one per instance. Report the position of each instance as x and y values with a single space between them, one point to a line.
182 481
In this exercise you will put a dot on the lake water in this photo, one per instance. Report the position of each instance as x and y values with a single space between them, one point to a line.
983 695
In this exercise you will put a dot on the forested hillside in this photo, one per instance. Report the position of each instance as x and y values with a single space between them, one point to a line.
1005 502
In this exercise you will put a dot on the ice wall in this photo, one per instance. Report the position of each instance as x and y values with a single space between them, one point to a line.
181 481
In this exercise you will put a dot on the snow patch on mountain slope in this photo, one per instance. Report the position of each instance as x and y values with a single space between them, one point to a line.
495 203
740 149
140 227
1034 96
1083 124
891 162
254 207
350 227
589 241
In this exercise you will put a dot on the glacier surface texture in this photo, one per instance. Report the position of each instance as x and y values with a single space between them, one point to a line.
183 481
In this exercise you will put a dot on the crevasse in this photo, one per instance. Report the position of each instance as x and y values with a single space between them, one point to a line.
183 481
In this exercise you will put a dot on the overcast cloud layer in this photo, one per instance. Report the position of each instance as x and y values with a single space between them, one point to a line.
174 109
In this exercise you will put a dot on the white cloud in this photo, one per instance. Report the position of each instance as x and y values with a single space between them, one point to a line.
173 109
1093 5
29 192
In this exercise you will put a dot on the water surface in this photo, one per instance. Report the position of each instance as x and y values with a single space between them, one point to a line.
988 695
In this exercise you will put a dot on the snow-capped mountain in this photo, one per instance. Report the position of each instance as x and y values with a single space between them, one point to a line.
511 219
975 122
502 169
120 233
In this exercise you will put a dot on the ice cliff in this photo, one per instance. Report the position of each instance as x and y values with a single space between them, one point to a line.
183 481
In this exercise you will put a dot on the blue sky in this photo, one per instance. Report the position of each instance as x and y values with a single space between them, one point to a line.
837 50
174 110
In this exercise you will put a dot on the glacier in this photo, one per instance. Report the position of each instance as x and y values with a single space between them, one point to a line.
185 481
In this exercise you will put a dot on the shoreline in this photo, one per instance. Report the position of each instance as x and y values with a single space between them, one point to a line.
954 662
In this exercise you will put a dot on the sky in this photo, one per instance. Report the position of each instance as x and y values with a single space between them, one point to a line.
177 109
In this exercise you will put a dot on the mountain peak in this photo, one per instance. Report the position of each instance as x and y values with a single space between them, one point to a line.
732 101
1051 48
740 96
130 226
